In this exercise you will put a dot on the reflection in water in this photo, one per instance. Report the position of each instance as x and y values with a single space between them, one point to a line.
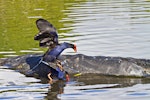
92 79
55 89
87 86
15 86
21 87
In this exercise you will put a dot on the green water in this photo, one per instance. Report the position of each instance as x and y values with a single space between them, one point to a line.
97 27
17 22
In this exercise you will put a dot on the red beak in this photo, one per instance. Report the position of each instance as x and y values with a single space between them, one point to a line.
75 48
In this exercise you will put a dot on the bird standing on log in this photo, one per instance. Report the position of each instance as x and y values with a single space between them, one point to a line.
48 37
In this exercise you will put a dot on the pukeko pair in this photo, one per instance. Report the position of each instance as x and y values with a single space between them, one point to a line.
48 37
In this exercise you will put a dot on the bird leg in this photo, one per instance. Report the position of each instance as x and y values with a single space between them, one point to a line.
58 63
60 67
50 78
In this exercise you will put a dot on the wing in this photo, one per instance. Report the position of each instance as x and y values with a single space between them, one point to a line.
47 34
44 25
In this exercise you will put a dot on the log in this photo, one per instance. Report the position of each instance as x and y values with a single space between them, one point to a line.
83 64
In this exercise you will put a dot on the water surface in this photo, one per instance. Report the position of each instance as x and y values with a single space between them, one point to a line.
98 27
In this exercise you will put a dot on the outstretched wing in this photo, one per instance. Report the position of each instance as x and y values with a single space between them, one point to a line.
44 25
47 34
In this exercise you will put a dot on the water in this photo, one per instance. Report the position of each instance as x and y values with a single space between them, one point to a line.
111 28
97 27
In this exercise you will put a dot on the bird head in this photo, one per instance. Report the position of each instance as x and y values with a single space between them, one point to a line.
69 45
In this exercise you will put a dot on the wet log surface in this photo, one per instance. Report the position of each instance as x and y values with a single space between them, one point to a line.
79 63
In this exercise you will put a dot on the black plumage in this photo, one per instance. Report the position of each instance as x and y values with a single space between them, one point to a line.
47 36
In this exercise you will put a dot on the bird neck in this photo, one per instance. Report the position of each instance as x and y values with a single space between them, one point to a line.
57 50
66 45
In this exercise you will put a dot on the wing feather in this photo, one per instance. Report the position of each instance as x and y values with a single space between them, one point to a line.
47 35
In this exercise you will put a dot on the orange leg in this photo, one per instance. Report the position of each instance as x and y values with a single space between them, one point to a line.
60 67
50 79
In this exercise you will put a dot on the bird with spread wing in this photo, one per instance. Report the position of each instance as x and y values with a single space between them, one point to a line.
48 37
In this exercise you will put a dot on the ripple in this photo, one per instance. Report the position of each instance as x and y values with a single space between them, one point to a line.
138 94
20 87
31 51
37 9
32 17
7 52
114 28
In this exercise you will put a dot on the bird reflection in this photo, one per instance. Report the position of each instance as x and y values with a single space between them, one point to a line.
55 89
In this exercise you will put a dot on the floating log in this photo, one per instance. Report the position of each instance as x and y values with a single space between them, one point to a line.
83 64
